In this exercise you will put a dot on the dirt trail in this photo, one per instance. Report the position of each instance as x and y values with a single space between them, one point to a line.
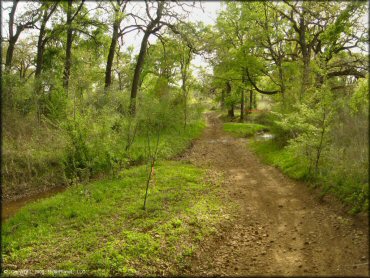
282 228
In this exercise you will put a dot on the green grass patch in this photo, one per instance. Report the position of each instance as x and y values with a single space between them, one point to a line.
282 158
243 129
100 228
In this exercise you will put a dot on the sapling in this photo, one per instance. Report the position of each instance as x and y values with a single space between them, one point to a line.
152 154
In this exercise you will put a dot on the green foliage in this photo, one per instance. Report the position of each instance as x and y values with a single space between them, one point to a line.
359 102
309 127
79 226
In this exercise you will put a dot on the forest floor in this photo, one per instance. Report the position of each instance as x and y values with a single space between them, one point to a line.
282 227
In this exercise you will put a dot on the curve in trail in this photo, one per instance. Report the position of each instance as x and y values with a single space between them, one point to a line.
281 228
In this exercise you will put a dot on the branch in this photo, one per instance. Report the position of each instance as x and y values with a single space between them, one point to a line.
78 10
259 90
346 72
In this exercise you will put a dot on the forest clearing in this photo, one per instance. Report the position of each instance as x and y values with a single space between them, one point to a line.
157 138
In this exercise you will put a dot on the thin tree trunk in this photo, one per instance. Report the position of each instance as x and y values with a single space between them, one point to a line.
185 96
153 160
282 85
305 57
242 106
222 99
254 100
230 111
184 69
250 100
319 148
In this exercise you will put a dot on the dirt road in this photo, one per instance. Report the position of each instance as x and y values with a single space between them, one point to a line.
281 228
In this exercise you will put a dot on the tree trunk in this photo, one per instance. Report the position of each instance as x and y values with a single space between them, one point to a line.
282 85
230 111
137 73
320 146
250 100
40 50
12 38
254 100
222 99
305 57
9 54
185 96
305 75
242 106
112 49
39 58
140 59
67 64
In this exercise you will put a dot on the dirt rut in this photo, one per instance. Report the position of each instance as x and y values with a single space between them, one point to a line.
282 227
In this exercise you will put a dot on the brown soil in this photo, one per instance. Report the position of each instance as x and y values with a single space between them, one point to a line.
281 228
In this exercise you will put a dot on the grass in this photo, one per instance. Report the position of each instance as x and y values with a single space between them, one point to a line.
282 158
243 129
101 229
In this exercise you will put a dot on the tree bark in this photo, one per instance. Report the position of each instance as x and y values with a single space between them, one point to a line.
40 50
222 99
12 38
250 100
242 106
112 49
184 93
282 84
137 72
67 64
230 111
9 53
306 53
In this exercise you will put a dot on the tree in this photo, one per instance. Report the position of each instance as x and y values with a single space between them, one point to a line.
71 16
164 15
47 11
119 7
153 26
27 20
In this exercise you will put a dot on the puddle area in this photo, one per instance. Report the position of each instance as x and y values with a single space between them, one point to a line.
226 140
264 136
9 208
